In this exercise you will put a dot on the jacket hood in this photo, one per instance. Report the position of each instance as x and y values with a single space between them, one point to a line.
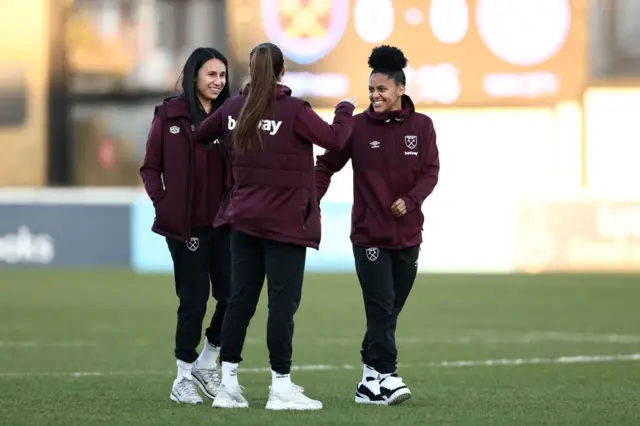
281 90
176 106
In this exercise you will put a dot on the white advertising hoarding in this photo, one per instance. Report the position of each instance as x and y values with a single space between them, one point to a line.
490 158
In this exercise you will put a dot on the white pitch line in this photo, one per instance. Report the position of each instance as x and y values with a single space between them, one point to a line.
29 344
524 338
564 360
44 344
573 359
527 338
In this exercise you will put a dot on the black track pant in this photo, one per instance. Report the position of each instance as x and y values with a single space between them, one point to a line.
201 267
386 278
283 264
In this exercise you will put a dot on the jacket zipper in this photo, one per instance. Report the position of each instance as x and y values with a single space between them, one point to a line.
394 161
392 157
223 163
187 219
207 208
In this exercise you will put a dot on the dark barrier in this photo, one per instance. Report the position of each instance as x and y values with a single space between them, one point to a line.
64 235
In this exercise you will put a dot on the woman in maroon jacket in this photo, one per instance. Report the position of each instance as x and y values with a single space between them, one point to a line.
185 182
273 212
395 167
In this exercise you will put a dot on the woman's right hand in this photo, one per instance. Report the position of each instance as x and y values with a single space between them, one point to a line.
352 100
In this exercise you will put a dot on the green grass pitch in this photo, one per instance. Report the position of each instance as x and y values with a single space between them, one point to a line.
95 348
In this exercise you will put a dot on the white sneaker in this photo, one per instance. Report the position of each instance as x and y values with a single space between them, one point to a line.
394 390
207 379
291 398
184 391
369 392
230 398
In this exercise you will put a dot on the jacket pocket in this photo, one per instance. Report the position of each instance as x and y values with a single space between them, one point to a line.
160 209
158 197
411 224
168 217
306 209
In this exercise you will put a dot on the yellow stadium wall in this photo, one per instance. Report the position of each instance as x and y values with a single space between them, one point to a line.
24 28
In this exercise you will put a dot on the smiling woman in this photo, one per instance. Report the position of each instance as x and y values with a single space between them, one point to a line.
396 166
186 184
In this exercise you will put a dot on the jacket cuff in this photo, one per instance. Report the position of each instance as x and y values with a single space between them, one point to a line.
409 203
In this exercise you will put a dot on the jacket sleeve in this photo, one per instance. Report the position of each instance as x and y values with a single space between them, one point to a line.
328 164
152 166
310 126
428 177
211 128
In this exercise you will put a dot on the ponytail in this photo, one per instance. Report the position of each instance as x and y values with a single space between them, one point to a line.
263 80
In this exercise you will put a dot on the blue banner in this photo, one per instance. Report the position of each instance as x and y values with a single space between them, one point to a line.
335 254
149 253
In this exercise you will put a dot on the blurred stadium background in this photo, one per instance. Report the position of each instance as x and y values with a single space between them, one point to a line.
532 237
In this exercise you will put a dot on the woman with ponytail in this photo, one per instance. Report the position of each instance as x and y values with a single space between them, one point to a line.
395 167
273 212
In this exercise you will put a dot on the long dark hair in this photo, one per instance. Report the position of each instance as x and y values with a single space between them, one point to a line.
188 78
265 66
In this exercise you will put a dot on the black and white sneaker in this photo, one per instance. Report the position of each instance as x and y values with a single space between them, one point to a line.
207 379
369 392
393 390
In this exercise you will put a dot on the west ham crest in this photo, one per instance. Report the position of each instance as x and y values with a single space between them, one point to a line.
305 30
193 244
411 141
372 253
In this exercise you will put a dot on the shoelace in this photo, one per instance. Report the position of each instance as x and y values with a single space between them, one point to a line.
296 388
187 387
241 394
211 375
231 393
371 385
393 379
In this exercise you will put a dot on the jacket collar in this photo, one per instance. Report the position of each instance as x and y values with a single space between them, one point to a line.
407 108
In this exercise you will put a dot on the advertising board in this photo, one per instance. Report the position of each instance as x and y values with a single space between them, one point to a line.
63 235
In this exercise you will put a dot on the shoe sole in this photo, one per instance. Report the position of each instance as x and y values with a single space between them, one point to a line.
363 400
284 407
175 399
203 388
228 403
401 396
232 405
